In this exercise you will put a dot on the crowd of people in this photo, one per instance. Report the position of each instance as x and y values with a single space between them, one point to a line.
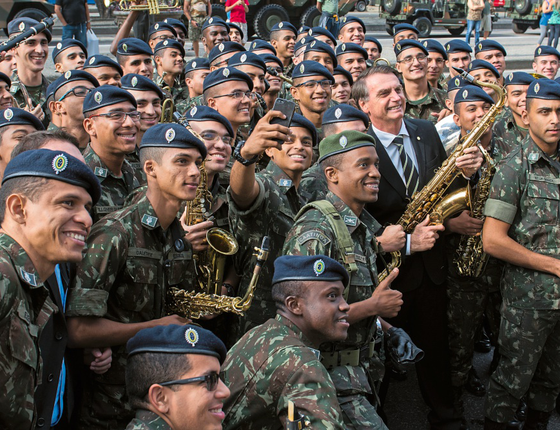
114 176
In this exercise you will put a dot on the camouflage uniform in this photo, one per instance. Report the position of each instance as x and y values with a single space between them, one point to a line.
525 193
288 70
313 185
184 101
17 92
449 133
508 135
434 102
130 263
25 309
147 420
134 160
352 364
270 365
114 189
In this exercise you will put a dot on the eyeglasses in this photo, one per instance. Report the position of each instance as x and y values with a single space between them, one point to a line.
311 85
211 381
239 95
164 37
210 136
119 116
407 60
78 92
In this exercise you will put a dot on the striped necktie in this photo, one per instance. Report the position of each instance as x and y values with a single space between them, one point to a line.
411 180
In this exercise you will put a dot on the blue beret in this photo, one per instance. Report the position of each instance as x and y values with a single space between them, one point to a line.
171 135
321 31
102 61
64 45
16 116
374 40
311 68
269 58
246 58
344 113
473 93
226 74
133 46
258 44
197 64
161 26
70 76
544 50
301 121
21 25
224 48
205 113
519 78
170 44
214 20
303 42
345 141
236 27
44 163
135 82
456 83
338 70
176 23
544 89
457 45
177 339
308 268
107 95
404 27
434 46
318 46
303 29
348 48
489 45
284 25
5 78
405 44
348 19
481 64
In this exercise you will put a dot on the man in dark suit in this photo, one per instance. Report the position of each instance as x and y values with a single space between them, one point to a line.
409 153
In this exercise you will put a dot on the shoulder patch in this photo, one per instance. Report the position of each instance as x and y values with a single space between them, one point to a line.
149 220
313 235
350 220
101 172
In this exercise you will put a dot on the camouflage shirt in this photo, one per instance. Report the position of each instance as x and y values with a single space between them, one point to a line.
508 135
313 185
114 189
184 101
147 420
176 89
134 160
525 193
434 102
272 364
25 308
37 99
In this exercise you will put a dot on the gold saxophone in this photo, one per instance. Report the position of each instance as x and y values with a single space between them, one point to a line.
430 201
168 108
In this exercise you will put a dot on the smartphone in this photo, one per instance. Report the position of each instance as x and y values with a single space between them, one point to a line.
287 107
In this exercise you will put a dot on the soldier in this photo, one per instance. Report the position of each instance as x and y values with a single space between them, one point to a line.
135 56
8 63
404 31
324 35
214 31
112 122
236 33
321 53
546 61
342 88
105 70
159 32
373 48
436 63
448 131
70 54
352 57
494 53
483 71
303 31
6 98
168 57
221 53
196 71
351 29
66 105
172 367
422 100
275 82
283 38
259 46
179 28
134 255
45 201
521 228
253 66
458 55
279 361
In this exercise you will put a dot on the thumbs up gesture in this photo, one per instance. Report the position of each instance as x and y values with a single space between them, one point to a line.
387 302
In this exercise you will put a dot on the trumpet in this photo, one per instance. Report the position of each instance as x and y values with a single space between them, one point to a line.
154 7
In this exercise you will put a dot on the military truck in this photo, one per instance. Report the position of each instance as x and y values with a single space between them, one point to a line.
36 9
525 14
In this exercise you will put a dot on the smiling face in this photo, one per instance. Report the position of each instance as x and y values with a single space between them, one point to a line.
274 81
416 69
517 98
70 59
169 61
372 50
353 62
542 117
6 98
235 110
436 63
214 35
386 100
257 76
296 156
8 64
235 35
213 134
71 105
546 65
469 114
283 41
352 32
106 75
316 98
10 136
177 174
32 53
458 59
341 89
149 106
320 57
140 64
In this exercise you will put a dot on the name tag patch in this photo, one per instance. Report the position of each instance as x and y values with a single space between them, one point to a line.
313 235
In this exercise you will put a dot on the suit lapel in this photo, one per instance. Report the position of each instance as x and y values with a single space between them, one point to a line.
417 144
386 167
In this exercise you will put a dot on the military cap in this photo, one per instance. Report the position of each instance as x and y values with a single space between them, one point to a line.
64 45
344 113
311 68
543 51
301 121
177 339
205 113
318 46
321 31
226 74
481 64
44 163
197 64
213 21
303 29
16 116
107 95
171 135
236 27
258 44
404 27
456 83
546 89
70 76
519 78
170 44
489 45
473 93
135 82
133 46
5 78
347 48
339 70
374 40
246 58
161 26
284 25
21 25
308 268
349 19
176 23
434 46
269 58
302 43
343 142
224 48
102 61
457 45
405 44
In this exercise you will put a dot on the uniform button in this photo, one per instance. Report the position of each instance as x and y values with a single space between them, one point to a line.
50 377
58 335
167 264
40 422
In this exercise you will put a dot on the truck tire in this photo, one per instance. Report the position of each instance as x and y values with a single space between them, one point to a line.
361 6
424 26
267 17
392 7
519 28
311 17
523 7
389 29
36 14
457 31
219 10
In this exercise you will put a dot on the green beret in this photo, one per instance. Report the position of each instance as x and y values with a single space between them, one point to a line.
345 141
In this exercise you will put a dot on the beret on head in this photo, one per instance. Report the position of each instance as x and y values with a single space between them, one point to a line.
64 45
269 58
308 268
70 76
374 40
321 31
302 43
176 23
311 68
489 45
303 29
543 51
226 74
44 163
107 95
169 44
161 26
284 25
344 113
434 46
301 121
246 59
404 27
177 339
349 19
405 44
171 135
481 64
545 89
348 48
519 78
133 46
197 64
214 20
205 113
21 25
224 48
339 70
16 116
6 79
473 93
457 45
318 46
102 61
258 44
456 83
345 141
234 26
135 82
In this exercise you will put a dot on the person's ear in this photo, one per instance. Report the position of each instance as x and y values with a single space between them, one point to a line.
294 305
89 127
15 207
331 173
158 398
150 168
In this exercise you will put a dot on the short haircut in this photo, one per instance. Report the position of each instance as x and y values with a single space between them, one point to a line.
208 94
148 368
39 139
151 153
360 90
121 59
332 161
329 129
28 186
284 289
2 131
528 103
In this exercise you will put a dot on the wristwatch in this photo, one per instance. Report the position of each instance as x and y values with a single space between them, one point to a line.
237 155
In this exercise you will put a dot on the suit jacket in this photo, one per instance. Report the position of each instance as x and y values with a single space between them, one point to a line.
392 202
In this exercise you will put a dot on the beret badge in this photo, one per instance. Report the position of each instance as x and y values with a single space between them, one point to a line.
21 26
8 114
134 81
92 60
243 58
98 97
302 68
191 336
457 82
338 113
194 64
193 112
319 267
68 74
170 135
226 72
343 141
537 88
124 47
59 163
58 45
465 94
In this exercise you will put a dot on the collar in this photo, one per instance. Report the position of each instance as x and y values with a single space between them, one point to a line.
99 168
387 138
351 220
535 153
294 329
22 263
279 177
152 419
148 216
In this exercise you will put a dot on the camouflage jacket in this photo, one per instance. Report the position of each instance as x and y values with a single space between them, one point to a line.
176 89
17 92
525 193
184 102
114 189
134 160
129 264
507 134
449 133
272 364
25 308
434 102
288 70
147 420
313 185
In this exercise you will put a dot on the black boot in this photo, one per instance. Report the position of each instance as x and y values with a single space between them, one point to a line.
483 343
493 425
536 420
474 385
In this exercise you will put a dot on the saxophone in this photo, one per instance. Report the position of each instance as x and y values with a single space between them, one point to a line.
430 201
